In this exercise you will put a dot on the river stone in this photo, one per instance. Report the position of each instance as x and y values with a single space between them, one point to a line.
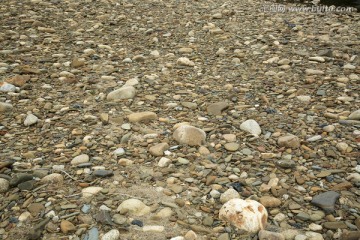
142 117
67 227
83 158
125 92
134 206
267 235
355 115
90 191
232 147
5 107
326 200
269 201
30 119
189 135
251 126
4 185
54 178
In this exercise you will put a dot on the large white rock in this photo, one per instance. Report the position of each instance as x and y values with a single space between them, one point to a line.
251 126
134 206
189 135
125 92
248 215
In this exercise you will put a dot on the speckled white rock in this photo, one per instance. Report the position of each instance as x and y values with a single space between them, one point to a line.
134 206
228 195
30 119
4 185
83 158
113 234
251 126
125 92
90 191
189 135
248 215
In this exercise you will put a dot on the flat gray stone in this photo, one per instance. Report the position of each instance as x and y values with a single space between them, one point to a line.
326 200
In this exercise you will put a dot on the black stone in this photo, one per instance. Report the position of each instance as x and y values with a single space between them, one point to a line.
137 223
326 200
237 186
103 173
28 185
104 217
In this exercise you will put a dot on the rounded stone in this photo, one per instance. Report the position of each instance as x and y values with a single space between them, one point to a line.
189 135
4 185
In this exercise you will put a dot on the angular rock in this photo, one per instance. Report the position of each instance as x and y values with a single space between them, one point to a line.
247 215
158 149
326 200
289 141
189 135
217 108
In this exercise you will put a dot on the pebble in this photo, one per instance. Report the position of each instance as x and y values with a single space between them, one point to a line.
67 227
5 107
184 61
189 135
4 185
113 234
90 191
267 235
269 201
134 206
326 200
232 147
251 126
289 141
228 195
217 108
83 158
125 92
158 149
30 119
142 117
54 179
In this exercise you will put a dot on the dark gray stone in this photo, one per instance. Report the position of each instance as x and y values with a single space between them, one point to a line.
326 200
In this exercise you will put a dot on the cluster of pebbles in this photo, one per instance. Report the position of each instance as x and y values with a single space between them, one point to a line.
141 119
